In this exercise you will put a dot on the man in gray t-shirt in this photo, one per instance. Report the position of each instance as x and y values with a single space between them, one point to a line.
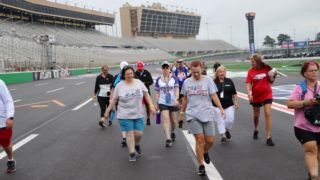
198 91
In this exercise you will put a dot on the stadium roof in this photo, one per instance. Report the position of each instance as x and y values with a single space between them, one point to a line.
56 10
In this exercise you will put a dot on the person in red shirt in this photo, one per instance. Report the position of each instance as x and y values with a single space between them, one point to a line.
258 85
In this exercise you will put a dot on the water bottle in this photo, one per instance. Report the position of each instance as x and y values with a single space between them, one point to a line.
158 118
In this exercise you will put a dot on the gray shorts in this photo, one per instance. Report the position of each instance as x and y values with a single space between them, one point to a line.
198 127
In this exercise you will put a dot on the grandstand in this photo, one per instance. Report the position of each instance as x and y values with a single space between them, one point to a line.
39 34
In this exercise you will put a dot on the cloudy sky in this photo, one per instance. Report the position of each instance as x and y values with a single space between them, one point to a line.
225 19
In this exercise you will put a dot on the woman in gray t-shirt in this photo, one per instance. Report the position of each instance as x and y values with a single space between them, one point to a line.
198 91
129 95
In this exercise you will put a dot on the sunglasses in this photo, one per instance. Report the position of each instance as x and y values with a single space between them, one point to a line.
165 67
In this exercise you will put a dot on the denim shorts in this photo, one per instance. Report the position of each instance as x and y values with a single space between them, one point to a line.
131 124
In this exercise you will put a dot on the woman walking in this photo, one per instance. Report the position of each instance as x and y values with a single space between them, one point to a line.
198 91
260 94
167 96
129 94
303 98
102 92
228 97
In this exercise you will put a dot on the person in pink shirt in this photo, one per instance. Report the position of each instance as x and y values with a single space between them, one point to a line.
306 133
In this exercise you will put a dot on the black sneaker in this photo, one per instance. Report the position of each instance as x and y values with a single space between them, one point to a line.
255 134
168 143
132 157
124 142
173 136
101 124
11 167
228 135
202 170
138 150
269 142
110 123
206 158
148 122
223 140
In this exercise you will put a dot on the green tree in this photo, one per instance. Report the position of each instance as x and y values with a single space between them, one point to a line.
318 36
283 37
268 41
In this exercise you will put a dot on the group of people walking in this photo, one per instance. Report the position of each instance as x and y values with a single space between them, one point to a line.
201 100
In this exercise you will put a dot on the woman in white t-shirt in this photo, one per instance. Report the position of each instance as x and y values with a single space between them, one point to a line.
167 95
129 94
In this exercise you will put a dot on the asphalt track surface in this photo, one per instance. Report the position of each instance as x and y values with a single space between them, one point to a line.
58 139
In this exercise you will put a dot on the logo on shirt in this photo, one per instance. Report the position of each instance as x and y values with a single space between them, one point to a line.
198 90
259 76
133 93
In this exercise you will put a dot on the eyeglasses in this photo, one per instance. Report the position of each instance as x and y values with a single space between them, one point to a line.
165 67
312 70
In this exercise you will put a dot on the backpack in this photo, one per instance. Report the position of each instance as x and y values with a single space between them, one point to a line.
311 114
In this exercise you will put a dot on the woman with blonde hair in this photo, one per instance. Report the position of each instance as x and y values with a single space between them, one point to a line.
228 97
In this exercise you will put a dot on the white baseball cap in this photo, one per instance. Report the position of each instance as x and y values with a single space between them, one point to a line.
123 64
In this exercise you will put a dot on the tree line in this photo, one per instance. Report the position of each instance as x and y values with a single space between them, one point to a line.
270 42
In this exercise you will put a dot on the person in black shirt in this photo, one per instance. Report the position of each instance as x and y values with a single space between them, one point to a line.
144 76
228 97
102 92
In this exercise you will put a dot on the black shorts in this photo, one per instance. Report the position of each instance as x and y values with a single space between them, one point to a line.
163 107
260 104
304 136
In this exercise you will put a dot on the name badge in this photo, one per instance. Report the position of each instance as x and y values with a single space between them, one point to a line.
221 95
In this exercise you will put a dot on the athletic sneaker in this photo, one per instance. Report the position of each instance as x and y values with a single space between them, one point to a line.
101 123
173 136
206 158
255 134
11 167
269 142
124 142
228 135
148 122
168 143
223 140
202 170
110 123
132 157
138 150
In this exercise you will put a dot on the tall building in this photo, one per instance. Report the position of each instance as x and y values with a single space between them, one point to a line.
157 21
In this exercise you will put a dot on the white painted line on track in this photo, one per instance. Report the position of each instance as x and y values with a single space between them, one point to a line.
211 170
19 144
276 106
55 90
12 89
41 84
81 105
18 100
79 83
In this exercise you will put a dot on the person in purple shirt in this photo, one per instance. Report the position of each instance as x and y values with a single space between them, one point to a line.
306 133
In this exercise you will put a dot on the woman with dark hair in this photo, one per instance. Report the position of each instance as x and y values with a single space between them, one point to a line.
102 92
258 85
198 91
301 99
129 94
